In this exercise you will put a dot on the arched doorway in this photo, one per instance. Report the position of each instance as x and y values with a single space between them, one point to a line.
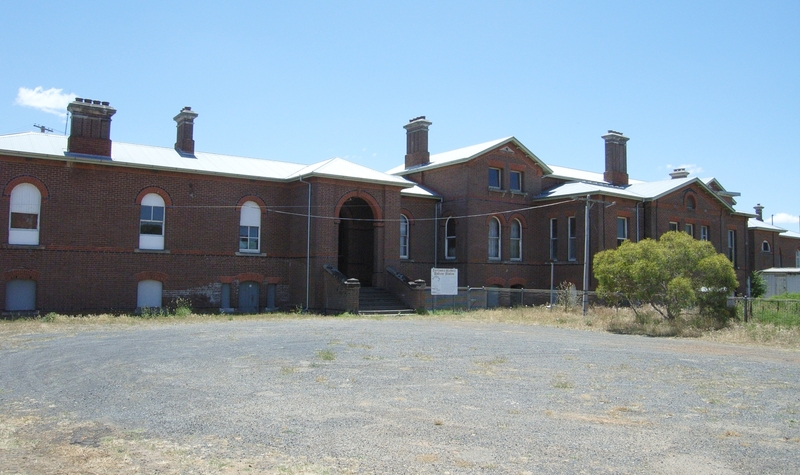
356 240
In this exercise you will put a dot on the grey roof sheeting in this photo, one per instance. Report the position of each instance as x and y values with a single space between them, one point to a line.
637 191
50 146
466 154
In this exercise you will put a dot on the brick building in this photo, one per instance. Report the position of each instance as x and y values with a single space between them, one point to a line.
96 225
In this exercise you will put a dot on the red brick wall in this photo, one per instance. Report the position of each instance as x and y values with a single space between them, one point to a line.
88 259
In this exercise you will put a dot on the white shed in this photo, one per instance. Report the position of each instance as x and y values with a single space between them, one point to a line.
781 280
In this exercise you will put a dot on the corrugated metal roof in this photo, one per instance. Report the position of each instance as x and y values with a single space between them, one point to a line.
790 235
419 192
754 223
163 158
581 175
637 191
465 154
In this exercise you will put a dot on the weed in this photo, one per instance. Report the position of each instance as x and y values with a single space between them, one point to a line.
50 317
326 355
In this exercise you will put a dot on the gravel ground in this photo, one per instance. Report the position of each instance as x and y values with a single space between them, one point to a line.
392 396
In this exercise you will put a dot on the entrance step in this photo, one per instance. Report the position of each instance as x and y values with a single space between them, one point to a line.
375 301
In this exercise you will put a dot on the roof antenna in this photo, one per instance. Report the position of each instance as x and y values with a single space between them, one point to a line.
42 128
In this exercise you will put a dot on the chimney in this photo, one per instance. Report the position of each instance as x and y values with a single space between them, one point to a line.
679 173
616 158
759 212
90 133
417 142
185 141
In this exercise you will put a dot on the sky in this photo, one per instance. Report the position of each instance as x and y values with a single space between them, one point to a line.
710 86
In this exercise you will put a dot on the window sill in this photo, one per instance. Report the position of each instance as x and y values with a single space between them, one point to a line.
25 246
151 251
251 254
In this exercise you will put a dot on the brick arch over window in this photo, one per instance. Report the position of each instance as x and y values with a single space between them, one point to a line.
21 274
518 281
250 276
26 179
495 282
155 190
499 217
408 215
519 218
377 213
253 198
690 199
151 275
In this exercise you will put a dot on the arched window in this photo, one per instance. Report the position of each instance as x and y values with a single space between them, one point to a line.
20 295
403 237
148 294
516 240
450 239
494 238
691 203
23 222
765 246
250 227
151 222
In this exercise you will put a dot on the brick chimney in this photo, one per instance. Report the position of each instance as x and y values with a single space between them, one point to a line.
185 122
417 142
759 212
90 133
616 158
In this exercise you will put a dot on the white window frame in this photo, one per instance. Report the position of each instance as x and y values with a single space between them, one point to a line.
732 246
572 242
515 240
499 175
511 176
674 226
450 239
622 230
495 235
151 241
689 228
765 247
250 227
554 239
703 233
26 199
404 232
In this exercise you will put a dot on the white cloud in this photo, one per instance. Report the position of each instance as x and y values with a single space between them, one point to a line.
783 218
52 100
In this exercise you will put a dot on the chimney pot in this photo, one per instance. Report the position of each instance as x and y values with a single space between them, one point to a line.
679 173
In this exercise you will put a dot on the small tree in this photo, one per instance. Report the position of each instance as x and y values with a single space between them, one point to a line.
672 274
758 285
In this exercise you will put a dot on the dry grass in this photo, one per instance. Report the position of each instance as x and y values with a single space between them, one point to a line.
597 319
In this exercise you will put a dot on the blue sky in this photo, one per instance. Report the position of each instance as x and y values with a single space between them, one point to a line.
710 86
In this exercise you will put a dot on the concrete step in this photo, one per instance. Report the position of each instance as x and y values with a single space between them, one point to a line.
376 301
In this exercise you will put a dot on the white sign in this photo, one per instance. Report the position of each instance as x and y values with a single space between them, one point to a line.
444 281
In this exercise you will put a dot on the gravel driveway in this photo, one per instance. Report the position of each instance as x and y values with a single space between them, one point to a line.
333 395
